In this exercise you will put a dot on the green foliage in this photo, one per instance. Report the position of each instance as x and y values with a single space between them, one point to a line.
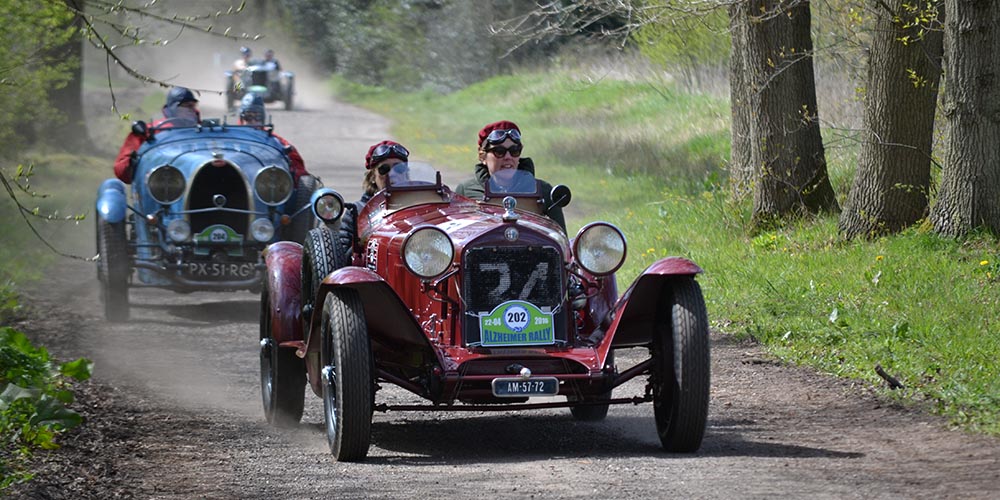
29 71
33 399
922 307
686 40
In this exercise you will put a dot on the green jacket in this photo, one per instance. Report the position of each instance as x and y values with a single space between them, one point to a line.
475 188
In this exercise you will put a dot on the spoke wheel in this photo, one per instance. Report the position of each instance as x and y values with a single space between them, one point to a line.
113 269
348 387
681 366
282 375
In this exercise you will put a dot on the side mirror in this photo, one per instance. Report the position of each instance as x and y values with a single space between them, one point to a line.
560 197
139 128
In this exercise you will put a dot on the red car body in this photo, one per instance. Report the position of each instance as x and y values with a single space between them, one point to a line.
442 337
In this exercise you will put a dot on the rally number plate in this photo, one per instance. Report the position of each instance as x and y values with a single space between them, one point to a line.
514 387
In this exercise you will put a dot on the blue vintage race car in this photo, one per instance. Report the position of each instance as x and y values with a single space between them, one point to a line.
204 203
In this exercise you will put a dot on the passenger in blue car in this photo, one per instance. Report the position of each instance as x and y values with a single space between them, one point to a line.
252 112
180 110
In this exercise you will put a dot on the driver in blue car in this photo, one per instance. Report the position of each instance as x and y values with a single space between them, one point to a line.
180 110
500 150
252 112
381 158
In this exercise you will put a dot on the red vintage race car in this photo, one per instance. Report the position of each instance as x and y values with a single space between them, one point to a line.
475 305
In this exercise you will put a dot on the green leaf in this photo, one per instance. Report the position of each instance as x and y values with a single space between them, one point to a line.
81 369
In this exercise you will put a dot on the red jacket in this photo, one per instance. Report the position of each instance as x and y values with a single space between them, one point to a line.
132 143
295 162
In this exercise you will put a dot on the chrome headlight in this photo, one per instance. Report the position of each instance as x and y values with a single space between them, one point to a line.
428 252
166 184
328 207
273 185
262 230
178 230
600 248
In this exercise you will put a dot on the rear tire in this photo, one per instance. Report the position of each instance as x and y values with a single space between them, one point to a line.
282 374
348 386
114 269
290 95
681 366
303 222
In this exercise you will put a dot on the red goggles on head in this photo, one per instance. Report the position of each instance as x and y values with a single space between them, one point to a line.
389 150
498 136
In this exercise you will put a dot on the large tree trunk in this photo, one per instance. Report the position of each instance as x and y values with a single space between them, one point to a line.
969 195
786 150
740 169
894 169
68 99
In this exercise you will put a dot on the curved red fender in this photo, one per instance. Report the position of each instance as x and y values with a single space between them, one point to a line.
635 312
284 286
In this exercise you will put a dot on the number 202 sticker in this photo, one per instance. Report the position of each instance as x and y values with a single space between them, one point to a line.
516 318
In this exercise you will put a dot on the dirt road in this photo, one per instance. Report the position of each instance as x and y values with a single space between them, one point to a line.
174 411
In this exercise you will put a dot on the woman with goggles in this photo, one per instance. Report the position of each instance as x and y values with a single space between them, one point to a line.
380 159
500 153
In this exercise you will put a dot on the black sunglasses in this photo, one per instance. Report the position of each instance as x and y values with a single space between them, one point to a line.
500 151
498 136
389 150
384 168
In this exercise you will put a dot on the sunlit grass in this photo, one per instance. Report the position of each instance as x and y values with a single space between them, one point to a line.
650 159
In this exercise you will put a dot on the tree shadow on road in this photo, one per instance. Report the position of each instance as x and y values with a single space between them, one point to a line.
223 311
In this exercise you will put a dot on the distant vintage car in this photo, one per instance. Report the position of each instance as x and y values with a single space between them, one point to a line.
204 203
475 305
264 79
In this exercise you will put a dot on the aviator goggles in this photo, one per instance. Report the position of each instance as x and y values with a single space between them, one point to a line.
389 150
498 136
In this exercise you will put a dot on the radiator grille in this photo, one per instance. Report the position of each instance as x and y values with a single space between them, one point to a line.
494 275
226 181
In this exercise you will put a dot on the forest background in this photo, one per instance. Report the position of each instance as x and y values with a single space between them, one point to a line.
833 165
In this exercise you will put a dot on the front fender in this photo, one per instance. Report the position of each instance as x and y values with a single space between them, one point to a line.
635 312
112 204
284 290
391 325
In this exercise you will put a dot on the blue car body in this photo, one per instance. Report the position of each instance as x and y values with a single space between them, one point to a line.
219 203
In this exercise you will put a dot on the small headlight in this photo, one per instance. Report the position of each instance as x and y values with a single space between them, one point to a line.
328 207
178 230
428 252
262 230
166 184
600 248
273 185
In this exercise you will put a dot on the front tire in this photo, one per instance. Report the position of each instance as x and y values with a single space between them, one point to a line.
681 366
348 387
282 374
321 255
114 269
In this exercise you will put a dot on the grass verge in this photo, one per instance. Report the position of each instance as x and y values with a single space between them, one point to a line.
650 159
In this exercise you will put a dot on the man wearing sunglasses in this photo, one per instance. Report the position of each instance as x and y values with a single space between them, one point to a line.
380 159
499 150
